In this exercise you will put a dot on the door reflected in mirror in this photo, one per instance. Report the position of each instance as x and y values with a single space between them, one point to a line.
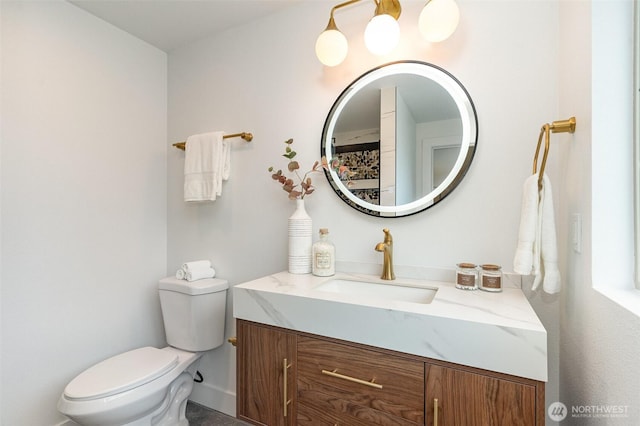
407 131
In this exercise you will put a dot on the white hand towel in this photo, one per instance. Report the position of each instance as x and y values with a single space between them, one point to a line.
537 265
199 274
181 274
206 165
523 259
537 251
548 244
196 264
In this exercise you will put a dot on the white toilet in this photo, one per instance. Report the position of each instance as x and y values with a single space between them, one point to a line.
150 386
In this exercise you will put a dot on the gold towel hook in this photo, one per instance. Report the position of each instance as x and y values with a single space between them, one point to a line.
559 126
564 126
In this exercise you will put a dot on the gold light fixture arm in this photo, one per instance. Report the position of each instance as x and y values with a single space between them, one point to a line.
341 5
390 7
332 23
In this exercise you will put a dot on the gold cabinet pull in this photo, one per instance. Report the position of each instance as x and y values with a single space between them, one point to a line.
352 379
435 411
285 400
233 340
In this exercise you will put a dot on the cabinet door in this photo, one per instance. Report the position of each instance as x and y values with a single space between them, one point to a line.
461 398
265 374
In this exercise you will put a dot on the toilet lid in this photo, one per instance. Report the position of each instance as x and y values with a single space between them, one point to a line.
121 373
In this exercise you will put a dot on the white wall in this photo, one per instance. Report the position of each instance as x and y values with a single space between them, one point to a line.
83 200
600 339
264 78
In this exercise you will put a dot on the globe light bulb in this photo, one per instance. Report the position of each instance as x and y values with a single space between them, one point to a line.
438 20
382 34
331 47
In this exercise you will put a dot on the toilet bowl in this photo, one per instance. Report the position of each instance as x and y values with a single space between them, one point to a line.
131 388
150 386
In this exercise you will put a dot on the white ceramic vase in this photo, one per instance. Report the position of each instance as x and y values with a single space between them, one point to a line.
300 240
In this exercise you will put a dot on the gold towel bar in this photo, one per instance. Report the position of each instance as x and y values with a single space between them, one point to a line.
560 126
244 135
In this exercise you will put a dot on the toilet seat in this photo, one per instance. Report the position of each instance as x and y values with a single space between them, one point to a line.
121 373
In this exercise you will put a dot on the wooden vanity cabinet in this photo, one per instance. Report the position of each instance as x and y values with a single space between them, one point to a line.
332 382
266 375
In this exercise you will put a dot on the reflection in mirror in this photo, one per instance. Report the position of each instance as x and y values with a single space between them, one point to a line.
407 131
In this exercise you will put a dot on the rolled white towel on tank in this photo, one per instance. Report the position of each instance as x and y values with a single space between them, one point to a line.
195 274
196 264
181 274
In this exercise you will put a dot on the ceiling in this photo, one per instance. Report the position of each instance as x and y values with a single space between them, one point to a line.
168 24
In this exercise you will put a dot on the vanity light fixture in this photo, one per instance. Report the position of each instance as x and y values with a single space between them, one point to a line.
438 20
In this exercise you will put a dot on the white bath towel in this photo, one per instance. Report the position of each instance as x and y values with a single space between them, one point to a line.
537 251
199 274
206 164
196 264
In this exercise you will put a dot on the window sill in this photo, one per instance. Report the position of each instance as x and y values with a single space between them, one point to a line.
627 298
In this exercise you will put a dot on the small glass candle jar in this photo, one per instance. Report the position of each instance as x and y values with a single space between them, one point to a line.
466 276
491 278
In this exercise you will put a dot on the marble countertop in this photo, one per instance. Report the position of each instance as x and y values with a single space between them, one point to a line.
493 331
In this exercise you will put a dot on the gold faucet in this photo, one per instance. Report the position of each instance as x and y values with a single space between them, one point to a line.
387 248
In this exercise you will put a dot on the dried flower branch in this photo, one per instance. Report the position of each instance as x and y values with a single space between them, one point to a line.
305 185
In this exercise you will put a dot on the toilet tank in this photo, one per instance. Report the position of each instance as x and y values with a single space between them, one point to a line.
193 312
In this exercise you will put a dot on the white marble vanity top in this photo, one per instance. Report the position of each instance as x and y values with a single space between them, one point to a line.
493 331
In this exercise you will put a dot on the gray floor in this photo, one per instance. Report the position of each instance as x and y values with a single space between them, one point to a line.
203 416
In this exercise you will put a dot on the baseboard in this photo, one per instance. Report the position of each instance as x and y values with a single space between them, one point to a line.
67 422
210 396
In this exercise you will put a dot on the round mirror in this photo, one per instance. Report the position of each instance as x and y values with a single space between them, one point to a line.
407 132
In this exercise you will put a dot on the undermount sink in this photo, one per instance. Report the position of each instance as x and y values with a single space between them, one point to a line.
391 291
